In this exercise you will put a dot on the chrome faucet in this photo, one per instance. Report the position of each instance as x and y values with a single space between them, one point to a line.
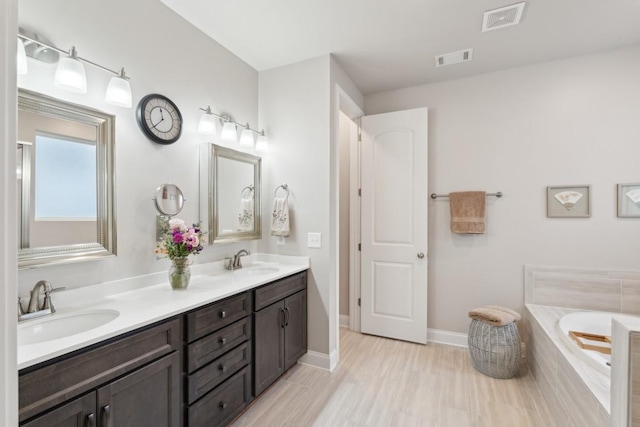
34 309
235 262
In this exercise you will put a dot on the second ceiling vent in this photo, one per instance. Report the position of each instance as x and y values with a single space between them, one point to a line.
502 17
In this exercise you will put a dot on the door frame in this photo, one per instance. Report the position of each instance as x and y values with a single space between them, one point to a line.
354 112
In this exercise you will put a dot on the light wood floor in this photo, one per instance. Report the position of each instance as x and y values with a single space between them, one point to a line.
383 382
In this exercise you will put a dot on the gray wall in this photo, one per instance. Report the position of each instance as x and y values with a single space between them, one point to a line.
567 122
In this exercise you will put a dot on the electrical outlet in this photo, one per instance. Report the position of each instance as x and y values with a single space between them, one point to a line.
314 240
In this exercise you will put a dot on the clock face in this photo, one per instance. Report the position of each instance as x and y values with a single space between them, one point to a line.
159 118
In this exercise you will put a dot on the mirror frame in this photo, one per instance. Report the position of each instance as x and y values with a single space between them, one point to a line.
104 123
213 212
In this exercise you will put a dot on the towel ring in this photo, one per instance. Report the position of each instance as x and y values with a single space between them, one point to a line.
285 187
248 187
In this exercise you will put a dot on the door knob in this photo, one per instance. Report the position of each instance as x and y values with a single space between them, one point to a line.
420 255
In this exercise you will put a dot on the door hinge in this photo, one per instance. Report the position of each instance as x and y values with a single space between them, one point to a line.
359 191
359 136
359 302
359 246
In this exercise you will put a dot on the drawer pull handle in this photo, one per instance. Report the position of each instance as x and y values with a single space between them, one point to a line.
91 420
106 414
283 321
222 405
222 368
223 314
286 317
222 341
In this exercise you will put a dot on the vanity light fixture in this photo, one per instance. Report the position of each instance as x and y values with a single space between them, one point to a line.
23 68
207 126
71 75
246 137
262 144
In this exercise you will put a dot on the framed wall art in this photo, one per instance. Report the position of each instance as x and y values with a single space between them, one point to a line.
569 201
628 200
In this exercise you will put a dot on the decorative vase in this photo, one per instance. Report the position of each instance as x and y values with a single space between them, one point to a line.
180 273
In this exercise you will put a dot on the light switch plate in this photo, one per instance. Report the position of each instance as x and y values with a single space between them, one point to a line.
314 240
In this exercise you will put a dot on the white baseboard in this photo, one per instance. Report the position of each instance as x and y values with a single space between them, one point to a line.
445 337
317 360
344 320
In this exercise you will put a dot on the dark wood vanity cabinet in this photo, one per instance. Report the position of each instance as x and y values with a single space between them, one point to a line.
132 380
280 325
218 361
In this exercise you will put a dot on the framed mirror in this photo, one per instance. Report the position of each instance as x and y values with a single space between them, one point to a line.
229 194
65 181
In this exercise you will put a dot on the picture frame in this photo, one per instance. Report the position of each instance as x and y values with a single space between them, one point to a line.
569 201
629 200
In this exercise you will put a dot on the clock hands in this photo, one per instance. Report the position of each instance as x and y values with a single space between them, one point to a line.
153 126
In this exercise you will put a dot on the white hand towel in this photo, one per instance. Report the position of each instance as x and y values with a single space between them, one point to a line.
280 217
245 215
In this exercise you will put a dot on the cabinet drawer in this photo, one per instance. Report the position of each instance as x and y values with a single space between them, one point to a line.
221 406
204 380
217 315
268 294
69 376
203 351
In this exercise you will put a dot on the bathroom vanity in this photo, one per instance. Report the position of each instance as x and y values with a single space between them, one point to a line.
201 365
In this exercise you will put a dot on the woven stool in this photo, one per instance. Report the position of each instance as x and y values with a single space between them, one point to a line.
495 350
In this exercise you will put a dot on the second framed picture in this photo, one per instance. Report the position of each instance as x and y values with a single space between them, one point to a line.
628 200
569 201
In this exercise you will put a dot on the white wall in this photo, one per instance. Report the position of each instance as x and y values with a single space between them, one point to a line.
8 220
163 54
568 122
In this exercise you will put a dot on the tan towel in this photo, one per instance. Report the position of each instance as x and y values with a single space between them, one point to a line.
491 316
467 212
515 314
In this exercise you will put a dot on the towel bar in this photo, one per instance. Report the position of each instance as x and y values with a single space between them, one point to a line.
435 196
285 187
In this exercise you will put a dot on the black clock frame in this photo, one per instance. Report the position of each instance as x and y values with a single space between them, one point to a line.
142 124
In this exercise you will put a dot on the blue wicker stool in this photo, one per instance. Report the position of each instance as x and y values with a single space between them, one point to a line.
495 350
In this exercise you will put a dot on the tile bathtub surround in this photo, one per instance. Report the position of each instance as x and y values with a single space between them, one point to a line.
625 372
581 288
575 393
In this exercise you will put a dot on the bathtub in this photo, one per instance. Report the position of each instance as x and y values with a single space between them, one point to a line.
592 322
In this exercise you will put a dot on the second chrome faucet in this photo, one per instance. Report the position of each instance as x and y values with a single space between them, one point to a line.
233 263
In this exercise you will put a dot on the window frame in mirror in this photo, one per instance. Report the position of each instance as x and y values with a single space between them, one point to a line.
212 212
104 124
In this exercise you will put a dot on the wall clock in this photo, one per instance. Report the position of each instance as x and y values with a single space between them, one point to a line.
159 119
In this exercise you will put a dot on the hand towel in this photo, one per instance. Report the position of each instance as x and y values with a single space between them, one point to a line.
467 212
245 215
491 316
280 217
515 314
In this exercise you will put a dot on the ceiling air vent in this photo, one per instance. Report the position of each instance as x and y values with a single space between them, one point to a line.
454 57
502 17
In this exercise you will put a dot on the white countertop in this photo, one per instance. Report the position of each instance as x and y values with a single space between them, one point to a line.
148 299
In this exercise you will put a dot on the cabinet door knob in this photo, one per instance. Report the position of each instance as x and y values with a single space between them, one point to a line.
222 405
222 368
223 314
283 318
286 316
222 341
91 420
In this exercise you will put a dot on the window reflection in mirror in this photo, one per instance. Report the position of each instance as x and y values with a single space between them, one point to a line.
65 181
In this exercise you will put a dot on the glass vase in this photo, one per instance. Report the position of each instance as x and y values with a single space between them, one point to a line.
180 273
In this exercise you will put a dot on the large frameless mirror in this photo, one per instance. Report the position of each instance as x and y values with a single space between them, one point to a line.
65 181
229 194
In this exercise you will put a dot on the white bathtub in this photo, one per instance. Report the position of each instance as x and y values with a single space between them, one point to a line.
592 322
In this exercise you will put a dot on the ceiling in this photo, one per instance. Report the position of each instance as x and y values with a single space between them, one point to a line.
390 44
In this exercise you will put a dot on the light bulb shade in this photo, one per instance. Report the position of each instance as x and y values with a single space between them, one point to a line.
70 75
23 68
118 92
262 144
229 132
246 138
207 125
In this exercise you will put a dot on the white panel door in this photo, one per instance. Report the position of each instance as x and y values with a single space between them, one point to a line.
394 225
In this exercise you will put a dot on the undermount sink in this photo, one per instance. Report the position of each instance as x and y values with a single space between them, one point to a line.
52 327
255 271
